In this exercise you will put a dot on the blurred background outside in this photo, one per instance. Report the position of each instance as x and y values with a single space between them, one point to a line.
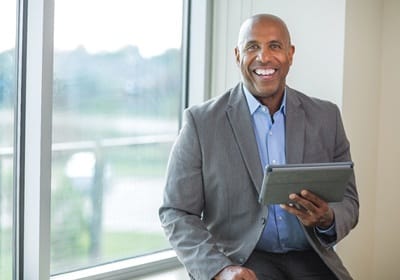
117 103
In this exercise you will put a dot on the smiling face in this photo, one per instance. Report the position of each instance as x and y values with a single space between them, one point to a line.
264 55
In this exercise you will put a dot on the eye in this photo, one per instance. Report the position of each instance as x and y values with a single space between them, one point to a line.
252 47
275 46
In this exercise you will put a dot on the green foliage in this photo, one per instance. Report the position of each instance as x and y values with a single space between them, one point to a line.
69 226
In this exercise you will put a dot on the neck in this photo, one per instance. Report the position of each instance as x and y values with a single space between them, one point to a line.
273 102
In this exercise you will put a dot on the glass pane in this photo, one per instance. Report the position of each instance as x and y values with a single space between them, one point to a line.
117 100
7 95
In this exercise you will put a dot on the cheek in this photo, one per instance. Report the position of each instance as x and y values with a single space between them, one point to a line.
290 61
244 65
246 62
287 60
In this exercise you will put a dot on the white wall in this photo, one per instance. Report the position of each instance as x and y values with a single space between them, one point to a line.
317 31
371 100
347 52
361 117
387 227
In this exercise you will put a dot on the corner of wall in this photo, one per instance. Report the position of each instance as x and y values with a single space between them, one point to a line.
361 96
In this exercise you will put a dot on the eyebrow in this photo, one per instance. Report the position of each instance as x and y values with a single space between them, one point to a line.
275 42
251 42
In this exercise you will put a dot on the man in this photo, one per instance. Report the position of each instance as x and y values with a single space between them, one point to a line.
210 211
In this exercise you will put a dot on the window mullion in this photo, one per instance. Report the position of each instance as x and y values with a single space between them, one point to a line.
37 144
199 64
19 143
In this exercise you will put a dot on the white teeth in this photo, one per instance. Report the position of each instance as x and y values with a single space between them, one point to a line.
264 72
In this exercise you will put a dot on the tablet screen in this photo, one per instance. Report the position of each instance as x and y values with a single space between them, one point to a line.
327 180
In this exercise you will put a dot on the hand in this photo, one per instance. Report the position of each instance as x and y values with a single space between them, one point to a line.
235 272
310 209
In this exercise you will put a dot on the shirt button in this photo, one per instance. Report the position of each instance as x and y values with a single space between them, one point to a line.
274 161
279 218
270 133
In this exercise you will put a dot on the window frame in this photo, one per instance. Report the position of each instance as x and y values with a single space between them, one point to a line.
33 134
33 130
125 269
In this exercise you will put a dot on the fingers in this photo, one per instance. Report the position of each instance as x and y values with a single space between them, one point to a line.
236 273
310 209
252 274
301 206
310 202
316 200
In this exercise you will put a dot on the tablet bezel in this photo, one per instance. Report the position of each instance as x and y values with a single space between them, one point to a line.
327 180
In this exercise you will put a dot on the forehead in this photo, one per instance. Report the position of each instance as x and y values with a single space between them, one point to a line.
263 30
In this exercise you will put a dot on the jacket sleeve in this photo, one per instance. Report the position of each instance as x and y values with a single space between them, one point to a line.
183 203
346 211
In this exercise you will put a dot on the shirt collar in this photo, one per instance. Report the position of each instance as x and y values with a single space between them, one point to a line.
254 104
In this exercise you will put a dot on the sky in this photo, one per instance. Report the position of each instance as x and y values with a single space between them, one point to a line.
7 24
106 25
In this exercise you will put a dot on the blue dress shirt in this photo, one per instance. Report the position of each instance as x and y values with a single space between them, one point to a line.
282 232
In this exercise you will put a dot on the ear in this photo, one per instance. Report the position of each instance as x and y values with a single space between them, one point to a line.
237 55
291 53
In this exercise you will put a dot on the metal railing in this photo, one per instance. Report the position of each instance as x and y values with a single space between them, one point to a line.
98 147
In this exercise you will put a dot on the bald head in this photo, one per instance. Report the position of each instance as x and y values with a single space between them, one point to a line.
264 55
248 24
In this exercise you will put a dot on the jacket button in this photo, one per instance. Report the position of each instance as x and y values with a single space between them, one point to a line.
263 221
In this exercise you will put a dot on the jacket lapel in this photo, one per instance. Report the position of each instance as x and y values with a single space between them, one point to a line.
295 128
240 120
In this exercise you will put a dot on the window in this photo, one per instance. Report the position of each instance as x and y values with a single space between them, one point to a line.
7 97
117 99
97 111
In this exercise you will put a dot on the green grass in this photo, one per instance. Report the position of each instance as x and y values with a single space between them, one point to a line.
128 244
115 246
71 251
5 254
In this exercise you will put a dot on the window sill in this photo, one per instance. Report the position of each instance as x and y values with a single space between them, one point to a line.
125 269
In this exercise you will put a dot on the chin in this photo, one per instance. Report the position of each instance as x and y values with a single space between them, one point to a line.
267 92
270 91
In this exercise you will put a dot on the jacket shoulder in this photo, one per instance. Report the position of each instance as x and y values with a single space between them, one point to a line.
311 104
217 105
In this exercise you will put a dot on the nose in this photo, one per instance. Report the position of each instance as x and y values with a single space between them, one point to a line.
264 55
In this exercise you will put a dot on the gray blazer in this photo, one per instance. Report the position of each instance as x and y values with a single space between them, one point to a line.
210 212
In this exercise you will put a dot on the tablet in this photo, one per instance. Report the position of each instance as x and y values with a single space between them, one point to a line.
327 180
